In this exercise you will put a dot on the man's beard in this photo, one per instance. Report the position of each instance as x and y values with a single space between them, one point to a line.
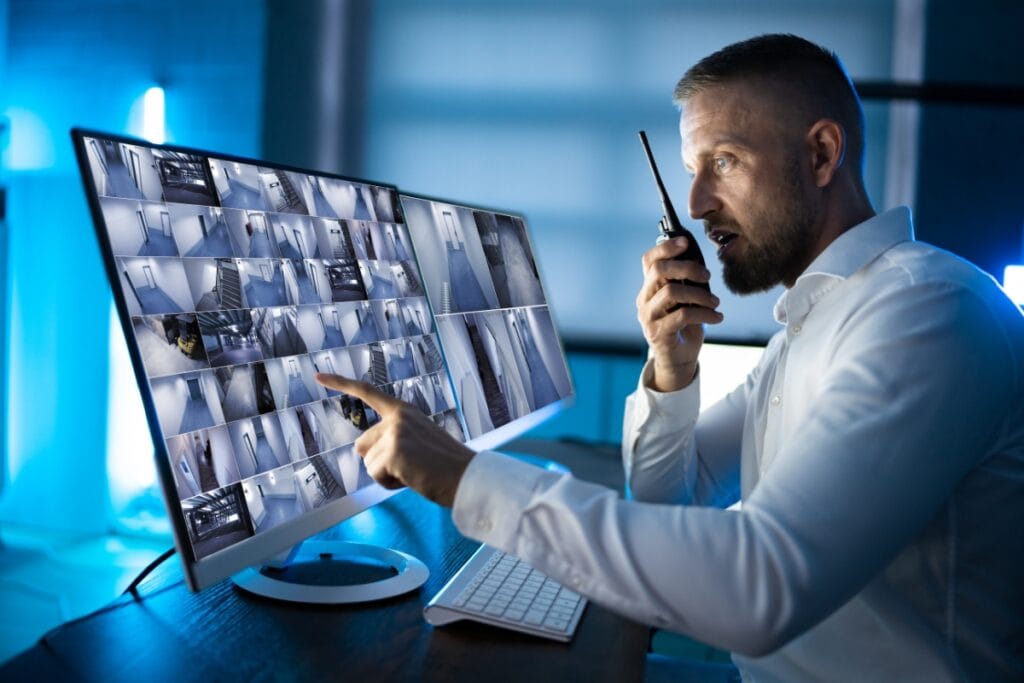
785 237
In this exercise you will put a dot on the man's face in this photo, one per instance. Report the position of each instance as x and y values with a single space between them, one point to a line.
751 185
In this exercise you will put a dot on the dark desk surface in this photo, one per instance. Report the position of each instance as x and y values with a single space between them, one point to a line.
223 633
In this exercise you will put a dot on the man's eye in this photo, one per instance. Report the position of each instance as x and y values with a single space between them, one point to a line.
722 163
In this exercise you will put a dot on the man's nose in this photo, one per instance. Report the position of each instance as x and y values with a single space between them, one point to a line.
703 199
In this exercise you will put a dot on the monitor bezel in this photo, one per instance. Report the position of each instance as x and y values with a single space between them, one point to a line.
202 572
520 425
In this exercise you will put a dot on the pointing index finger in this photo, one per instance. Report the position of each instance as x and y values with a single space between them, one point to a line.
368 393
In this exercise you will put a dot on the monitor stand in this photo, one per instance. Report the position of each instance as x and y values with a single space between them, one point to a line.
334 572
340 572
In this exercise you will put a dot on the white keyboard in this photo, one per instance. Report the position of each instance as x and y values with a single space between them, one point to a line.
499 589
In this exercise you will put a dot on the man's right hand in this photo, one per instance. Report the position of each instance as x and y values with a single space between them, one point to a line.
674 332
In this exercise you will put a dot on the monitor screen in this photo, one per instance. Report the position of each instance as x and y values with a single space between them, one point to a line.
500 342
236 282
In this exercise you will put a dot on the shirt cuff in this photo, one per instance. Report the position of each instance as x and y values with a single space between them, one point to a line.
493 492
656 412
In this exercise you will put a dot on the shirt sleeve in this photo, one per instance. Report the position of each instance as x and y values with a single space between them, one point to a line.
671 456
909 406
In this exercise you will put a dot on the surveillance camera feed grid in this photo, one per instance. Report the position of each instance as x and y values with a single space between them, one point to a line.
501 345
243 282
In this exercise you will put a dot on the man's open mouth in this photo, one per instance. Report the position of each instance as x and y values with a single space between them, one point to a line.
723 238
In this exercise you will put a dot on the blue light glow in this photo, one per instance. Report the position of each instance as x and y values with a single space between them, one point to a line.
129 462
1013 283
57 73
30 145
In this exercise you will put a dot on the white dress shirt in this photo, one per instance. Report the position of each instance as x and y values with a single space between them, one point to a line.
879 451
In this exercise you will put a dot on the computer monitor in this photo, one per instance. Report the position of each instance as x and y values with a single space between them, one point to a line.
236 281
500 342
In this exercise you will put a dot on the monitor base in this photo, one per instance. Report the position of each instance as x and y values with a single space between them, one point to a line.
335 573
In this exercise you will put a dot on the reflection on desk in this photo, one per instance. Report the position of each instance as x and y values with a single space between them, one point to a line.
223 633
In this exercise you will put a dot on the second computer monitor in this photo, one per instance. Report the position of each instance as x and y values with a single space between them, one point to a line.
502 348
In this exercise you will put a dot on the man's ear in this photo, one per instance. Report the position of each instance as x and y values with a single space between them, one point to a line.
827 142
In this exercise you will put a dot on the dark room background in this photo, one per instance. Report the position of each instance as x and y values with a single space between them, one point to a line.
530 106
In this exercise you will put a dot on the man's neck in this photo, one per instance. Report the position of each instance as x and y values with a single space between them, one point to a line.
839 217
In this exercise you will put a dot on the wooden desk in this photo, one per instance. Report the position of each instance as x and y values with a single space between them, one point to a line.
223 633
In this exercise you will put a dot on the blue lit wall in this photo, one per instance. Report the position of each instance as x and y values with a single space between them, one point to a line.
75 63
534 106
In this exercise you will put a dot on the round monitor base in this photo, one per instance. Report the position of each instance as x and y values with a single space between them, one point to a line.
405 573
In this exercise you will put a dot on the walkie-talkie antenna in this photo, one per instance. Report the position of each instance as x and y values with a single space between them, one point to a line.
669 224
671 220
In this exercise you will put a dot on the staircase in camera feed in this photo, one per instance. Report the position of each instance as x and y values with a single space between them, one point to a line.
378 366
329 486
429 350
308 438
229 284
289 197
343 245
497 407
446 298
412 278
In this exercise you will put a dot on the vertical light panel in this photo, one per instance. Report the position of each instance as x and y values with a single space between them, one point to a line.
1013 283
154 117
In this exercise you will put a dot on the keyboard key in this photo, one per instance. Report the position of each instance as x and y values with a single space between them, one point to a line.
534 616
556 624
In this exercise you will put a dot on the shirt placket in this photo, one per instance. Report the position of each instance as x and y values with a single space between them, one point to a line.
773 414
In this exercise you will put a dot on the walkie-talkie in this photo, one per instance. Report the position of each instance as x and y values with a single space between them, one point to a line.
669 224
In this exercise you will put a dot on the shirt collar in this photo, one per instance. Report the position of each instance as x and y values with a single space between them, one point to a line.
848 253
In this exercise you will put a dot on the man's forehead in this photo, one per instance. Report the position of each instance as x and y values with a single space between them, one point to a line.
730 103
707 121
739 112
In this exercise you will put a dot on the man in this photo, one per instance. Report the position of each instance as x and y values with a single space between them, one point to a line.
878 447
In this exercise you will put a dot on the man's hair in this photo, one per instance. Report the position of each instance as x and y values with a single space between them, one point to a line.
809 74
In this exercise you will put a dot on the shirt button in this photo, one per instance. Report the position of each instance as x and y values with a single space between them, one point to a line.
796 329
577 582
776 400
484 525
